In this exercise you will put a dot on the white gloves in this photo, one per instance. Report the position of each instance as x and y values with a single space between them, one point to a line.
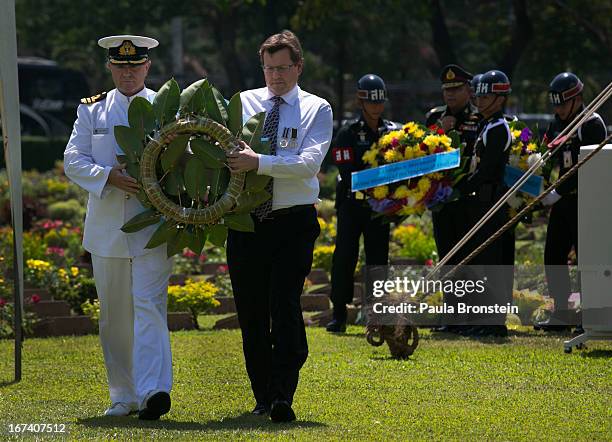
551 198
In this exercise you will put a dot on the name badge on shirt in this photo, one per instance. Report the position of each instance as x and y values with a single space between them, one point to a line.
567 159
100 131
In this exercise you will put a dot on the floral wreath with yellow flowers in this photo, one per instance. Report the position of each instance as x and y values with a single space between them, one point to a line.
415 195
525 150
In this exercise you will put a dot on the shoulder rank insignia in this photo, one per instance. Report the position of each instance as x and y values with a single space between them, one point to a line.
94 99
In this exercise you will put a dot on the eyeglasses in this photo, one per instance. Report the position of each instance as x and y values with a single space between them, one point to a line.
283 69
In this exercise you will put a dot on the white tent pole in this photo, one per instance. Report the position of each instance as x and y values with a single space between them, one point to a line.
11 130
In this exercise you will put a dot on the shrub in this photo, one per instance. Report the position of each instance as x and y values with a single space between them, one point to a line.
527 302
70 210
414 243
322 257
195 297
92 309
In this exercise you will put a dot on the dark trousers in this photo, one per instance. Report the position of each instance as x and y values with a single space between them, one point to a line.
355 219
267 269
449 226
487 265
561 236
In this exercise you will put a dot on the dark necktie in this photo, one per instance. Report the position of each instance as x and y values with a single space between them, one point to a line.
270 131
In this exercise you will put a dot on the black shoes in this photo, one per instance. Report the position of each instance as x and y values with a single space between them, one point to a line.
281 412
336 326
155 406
559 321
261 409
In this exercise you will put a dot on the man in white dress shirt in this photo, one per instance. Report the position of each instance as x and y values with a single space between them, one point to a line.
268 267
131 281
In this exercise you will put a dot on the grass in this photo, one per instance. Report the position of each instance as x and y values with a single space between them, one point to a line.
522 388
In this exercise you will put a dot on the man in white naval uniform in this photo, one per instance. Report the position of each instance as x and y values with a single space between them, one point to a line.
131 281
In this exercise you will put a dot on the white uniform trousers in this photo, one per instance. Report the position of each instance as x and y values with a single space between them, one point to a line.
133 324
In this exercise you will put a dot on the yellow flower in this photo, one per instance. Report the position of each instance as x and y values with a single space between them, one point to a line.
370 157
532 147
516 133
381 192
418 133
432 141
74 271
392 156
411 126
401 192
37 264
424 184
445 141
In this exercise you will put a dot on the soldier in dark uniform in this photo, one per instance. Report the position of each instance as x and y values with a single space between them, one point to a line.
355 217
565 93
480 189
461 115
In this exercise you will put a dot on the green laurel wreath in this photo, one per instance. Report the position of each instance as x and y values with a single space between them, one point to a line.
176 148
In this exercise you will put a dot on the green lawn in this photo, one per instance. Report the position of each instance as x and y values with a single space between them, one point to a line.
522 388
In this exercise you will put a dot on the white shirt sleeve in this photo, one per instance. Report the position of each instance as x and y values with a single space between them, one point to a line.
79 164
307 163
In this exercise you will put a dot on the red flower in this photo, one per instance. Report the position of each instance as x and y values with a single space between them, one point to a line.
35 298
2 302
55 251
203 257
440 131
439 149
429 262
189 254
223 268
394 142
423 147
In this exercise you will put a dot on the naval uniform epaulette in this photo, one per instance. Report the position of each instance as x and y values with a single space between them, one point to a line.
94 99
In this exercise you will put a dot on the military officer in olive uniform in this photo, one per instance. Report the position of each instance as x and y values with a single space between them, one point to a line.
355 217
461 115
565 93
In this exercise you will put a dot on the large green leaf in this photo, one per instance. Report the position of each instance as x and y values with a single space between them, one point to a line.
192 97
130 141
197 239
254 182
251 132
195 178
166 231
219 181
234 114
166 102
211 155
241 222
141 221
174 152
141 116
173 183
217 234
177 243
133 169
247 201
215 105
